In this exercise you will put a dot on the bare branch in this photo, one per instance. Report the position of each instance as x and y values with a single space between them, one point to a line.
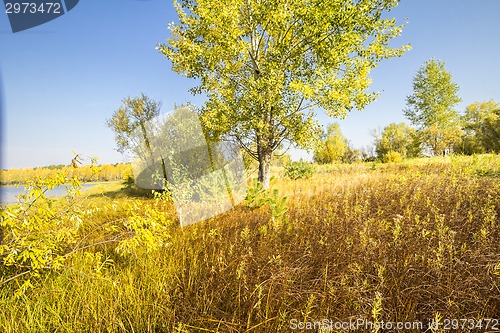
15 277
244 146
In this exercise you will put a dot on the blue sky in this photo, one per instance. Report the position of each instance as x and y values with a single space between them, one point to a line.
61 80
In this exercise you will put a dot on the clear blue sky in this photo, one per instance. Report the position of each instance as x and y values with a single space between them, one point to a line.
61 80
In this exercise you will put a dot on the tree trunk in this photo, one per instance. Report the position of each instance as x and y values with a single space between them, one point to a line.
164 170
153 158
264 167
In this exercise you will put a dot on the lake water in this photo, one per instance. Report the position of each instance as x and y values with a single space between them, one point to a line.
9 194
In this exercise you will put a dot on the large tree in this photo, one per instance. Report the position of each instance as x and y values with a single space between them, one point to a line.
265 64
431 107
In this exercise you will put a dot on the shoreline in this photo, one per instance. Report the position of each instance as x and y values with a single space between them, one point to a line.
8 199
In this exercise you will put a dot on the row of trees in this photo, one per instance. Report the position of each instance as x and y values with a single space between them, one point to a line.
264 66
438 128
85 173
441 129
481 129
479 132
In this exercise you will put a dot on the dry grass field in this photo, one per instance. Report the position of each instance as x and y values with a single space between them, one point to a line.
406 242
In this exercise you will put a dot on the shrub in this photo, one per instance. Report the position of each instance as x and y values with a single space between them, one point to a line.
40 235
392 157
301 169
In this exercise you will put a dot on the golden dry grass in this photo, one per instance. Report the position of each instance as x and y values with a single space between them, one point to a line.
400 242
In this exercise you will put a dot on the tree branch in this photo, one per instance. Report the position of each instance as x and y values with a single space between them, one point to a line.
15 277
243 145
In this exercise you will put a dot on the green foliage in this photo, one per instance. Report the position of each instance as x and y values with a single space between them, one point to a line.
165 196
430 107
278 208
40 235
484 165
131 116
399 138
277 205
299 170
481 125
128 178
172 146
351 155
332 147
39 232
282 158
263 65
256 196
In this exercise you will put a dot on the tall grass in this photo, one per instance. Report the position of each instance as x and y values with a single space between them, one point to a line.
394 242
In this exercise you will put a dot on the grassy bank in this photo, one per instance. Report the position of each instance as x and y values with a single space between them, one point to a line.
412 241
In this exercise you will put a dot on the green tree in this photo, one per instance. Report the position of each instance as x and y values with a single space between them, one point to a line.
352 154
264 65
133 114
481 124
431 107
132 131
399 138
332 147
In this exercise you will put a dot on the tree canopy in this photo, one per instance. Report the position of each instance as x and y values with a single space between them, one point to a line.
133 114
431 107
399 138
481 124
332 147
133 135
265 64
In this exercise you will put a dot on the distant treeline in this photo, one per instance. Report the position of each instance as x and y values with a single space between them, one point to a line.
86 173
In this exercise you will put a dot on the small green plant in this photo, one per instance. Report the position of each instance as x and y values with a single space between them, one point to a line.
299 170
256 196
165 195
278 208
